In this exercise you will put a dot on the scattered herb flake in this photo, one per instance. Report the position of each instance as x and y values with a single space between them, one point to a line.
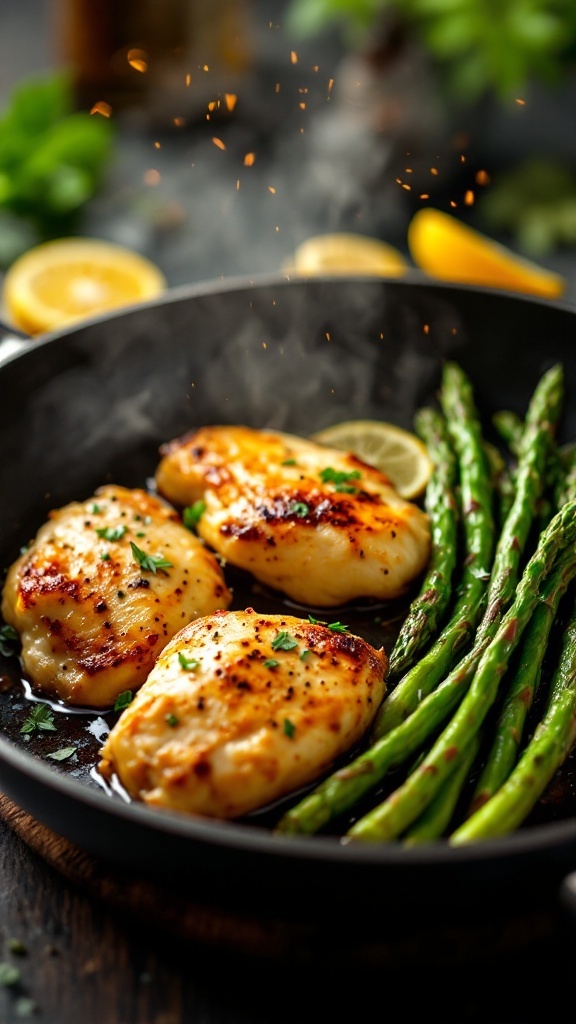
337 627
289 728
283 641
63 754
95 508
41 718
299 508
9 975
123 700
289 462
304 654
171 719
271 663
340 478
111 532
149 562
193 513
105 556
188 664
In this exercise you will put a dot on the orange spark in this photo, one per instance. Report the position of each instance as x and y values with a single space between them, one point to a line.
426 328
302 106
249 159
521 103
188 79
230 99
219 143
434 170
271 189
293 57
103 108
178 122
482 178
453 204
152 177
425 195
205 68
157 145
138 59
469 197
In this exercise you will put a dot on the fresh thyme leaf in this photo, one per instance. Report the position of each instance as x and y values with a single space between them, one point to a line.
188 664
193 513
8 640
41 718
111 532
283 641
337 627
271 663
123 700
63 754
149 562
316 622
289 728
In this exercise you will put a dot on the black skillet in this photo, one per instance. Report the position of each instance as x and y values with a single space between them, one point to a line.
93 403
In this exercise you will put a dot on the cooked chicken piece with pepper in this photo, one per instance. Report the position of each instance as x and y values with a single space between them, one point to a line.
241 709
317 524
104 586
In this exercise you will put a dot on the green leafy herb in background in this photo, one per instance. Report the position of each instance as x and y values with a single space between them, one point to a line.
52 160
478 47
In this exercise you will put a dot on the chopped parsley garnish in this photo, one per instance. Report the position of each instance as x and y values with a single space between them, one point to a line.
63 754
340 479
95 509
171 720
111 532
188 664
271 663
299 508
304 653
283 641
105 556
289 462
193 513
289 728
123 700
149 562
336 627
40 719
8 640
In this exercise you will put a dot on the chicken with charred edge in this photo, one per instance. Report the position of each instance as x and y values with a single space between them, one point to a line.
319 525
103 587
243 708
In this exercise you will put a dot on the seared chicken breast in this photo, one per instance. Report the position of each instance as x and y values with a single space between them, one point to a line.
104 586
242 709
317 524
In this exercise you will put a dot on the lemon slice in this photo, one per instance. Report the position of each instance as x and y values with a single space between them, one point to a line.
60 282
348 253
399 454
444 247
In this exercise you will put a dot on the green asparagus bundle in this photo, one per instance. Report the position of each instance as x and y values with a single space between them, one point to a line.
420 721
403 806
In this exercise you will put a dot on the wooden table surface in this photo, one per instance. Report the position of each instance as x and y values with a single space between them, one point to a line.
82 960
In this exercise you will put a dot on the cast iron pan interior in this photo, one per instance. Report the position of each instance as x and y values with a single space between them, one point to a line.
92 404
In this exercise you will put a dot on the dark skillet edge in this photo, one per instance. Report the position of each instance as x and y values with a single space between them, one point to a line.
532 863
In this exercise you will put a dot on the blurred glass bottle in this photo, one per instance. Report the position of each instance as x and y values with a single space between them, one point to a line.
175 60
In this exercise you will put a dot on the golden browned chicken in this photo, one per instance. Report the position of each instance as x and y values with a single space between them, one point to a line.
102 589
242 709
318 524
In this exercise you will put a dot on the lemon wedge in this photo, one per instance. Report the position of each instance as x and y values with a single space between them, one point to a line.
61 282
397 453
348 253
444 247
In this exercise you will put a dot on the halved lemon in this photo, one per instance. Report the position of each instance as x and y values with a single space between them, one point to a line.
398 453
348 253
444 247
60 282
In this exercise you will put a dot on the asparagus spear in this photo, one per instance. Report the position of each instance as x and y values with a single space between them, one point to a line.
544 754
436 818
510 427
390 818
429 607
461 416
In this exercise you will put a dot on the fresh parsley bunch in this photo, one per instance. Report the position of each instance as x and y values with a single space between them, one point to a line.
52 160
